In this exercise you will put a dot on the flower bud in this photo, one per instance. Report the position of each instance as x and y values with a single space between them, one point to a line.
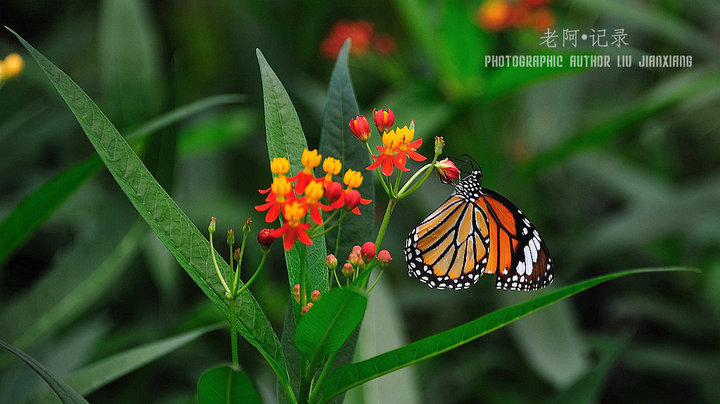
355 260
236 253
333 191
265 238
306 308
347 269
447 171
231 237
315 295
331 262
211 226
360 127
352 199
356 249
246 226
296 292
384 120
384 258
367 252
439 145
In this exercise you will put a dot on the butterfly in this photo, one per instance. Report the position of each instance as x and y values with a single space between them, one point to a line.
478 231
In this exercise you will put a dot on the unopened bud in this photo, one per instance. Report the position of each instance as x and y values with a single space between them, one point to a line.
333 191
211 226
236 253
331 262
439 145
230 237
384 258
296 292
447 171
306 308
315 295
265 238
347 269
360 127
384 120
246 226
367 252
352 199
355 260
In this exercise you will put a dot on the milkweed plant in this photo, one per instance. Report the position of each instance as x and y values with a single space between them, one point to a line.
319 208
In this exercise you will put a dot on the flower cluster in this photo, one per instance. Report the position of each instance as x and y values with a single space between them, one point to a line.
297 197
11 67
359 259
363 37
498 15
398 143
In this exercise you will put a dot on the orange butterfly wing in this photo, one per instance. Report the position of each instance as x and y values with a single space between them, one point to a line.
518 255
449 248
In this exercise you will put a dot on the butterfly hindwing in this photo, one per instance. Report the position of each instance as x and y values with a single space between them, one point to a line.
523 261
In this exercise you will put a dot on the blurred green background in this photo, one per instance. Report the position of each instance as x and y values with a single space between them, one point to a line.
618 168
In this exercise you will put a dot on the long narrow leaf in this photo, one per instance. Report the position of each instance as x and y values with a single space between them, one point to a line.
89 378
63 391
355 374
189 247
285 138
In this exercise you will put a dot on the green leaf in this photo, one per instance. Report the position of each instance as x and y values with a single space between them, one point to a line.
337 141
225 385
355 374
465 46
129 60
189 247
37 207
685 86
325 327
63 391
587 388
285 138
69 289
89 378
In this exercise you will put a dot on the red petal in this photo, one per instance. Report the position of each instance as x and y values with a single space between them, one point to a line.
264 191
315 215
263 207
289 239
375 164
387 165
303 237
415 156
277 233
356 211
415 144
399 161
365 201
272 213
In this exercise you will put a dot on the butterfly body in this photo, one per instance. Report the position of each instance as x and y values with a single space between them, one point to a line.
478 231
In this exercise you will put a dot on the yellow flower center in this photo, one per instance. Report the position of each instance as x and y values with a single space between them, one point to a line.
332 166
313 191
280 187
280 165
392 140
310 159
294 212
352 179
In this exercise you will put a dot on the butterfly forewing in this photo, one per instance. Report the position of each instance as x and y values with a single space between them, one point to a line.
478 231
448 249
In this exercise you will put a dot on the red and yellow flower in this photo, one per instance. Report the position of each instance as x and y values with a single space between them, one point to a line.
398 144
298 200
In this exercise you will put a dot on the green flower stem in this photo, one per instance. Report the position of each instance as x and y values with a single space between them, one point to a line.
239 263
303 275
397 182
326 230
217 269
336 278
380 175
419 174
386 219
233 334
321 379
257 271
382 271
